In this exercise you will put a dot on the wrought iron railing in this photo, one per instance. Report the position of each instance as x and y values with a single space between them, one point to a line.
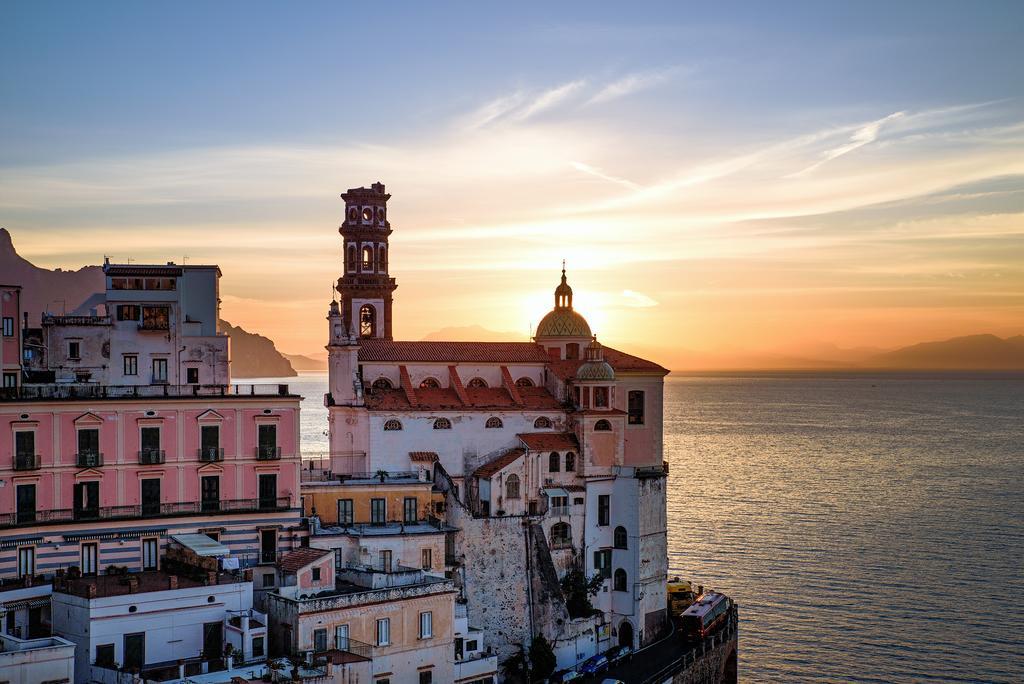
265 453
152 456
89 459
27 462
210 454
88 390
144 510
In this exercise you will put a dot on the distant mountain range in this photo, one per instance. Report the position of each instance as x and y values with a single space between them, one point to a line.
60 291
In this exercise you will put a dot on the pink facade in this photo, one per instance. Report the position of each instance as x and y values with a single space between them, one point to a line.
10 336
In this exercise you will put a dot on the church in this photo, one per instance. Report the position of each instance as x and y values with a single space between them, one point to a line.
520 470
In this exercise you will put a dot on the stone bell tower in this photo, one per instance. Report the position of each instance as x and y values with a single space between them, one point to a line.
365 287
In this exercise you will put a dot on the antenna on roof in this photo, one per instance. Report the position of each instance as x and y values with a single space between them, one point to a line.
184 259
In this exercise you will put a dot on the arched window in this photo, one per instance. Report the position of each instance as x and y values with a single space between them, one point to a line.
601 397
430 383
367 321
570 462
620 537
442 424
477 382
380 214
367 257
392 424
542 422
353 214
619 581
382 384
512 487
602 426
524 382
561 535
553 462
494 422
351 258
382 259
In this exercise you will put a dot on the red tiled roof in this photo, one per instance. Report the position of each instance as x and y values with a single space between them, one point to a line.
550 441
377 350
423 457
509 457
477 399
294 561
574 488
621 362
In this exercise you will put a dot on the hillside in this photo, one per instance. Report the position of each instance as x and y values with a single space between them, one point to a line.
972 352
306 363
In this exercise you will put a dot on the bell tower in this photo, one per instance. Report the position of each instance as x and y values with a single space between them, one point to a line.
365 287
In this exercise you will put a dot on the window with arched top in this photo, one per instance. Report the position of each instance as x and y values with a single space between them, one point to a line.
380 214
367 321
351 258
602 426
570 462
619 580
494 422
367 257
392 424
382 384
367 214
442 424
353 214
619 538
542 422
477 383
561 535
601 397
553 462
524 382
430 383
512 487
382 259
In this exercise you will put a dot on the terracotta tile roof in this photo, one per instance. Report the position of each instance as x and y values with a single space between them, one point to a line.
423 457
376 350
574 488
621 362
509 457
550 441
294 561
477 399
510 385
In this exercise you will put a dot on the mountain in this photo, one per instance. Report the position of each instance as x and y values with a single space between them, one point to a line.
473 333
305 363
60 291
972 352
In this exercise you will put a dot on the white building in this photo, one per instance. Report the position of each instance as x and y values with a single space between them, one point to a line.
32 661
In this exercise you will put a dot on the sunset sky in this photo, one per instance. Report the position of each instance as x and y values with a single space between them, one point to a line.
761 177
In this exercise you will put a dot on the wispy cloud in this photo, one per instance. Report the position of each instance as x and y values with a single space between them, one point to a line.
638 299
598 173
631 83
864 135
548 99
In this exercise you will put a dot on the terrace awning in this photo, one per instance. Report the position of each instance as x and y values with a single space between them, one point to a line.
201 545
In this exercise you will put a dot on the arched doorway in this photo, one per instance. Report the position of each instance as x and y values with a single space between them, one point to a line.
625 634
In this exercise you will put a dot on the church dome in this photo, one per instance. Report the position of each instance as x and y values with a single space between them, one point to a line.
595 367
562 321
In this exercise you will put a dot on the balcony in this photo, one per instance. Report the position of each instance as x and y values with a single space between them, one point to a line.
152 456
267 453
27 462
211 454
89 460
163 510
88 390
559 511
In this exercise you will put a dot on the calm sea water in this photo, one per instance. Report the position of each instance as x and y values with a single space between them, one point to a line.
871 527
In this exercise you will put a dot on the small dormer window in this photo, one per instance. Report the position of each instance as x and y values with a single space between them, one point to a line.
542 423
477 383
430 383
602 426
442 424
392 425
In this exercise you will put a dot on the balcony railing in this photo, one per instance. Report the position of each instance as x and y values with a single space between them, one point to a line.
152 456
89 390
27 462
89 460
559 511
265 453
211 454
146 510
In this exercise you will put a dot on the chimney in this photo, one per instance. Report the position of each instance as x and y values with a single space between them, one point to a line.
133 584
211 577
172 582
90 591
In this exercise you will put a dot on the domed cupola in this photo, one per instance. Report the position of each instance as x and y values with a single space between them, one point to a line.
595 368
562 321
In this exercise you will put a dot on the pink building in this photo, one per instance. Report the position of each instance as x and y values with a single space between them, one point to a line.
10 336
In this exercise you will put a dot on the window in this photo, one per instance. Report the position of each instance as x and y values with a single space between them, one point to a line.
427 677
426 624
89 557
602 426
367 321
10 380
341 637
156 318
603 563
572 351
384 558
367 258
601 397
150 553
477 383
442 424
553 462
159 370
382 384
561 535
105 655
74 350
378 511
319 640
134 651
604 503
391 425
8 326
410 514
26 561
192 375
524 382
577 501
267 490
352 258
150 496
267 441
258 647
209 493
209 442
570 462
494 422
384 632
127 312
316 574
268 580
25 495
86 504
512 487
345 514
149 443
426 559
620 537
619 582
268 546
130 364
430 383
542 423
24 450
382 259
635 404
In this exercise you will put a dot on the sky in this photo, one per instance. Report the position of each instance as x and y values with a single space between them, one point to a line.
771 177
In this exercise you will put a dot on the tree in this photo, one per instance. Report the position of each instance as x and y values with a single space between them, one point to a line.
577 590
542 659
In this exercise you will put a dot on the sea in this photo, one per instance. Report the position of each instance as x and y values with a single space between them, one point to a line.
870 526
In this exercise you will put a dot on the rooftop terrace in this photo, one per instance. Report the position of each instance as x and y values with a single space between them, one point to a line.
85 390
104 586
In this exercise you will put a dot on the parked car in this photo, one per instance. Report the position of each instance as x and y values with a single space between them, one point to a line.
618 655
594 665
569 675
